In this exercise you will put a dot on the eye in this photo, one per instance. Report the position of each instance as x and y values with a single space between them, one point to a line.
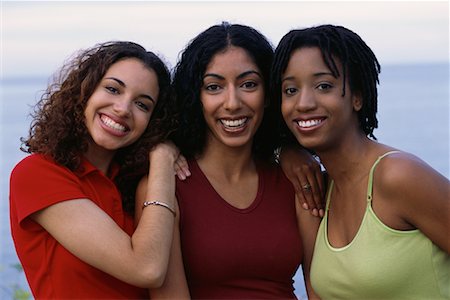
249 85
290 91
324 86
143 105
213 87
112 89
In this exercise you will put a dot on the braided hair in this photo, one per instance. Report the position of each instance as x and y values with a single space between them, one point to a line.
359 66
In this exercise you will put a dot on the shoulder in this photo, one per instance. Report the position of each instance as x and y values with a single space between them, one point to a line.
401 169
404 179
33 161
39 168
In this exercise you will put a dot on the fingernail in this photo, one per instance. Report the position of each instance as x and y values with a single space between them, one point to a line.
305 205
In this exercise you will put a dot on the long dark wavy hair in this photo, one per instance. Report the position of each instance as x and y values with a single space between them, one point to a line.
359 66
58 127
191 135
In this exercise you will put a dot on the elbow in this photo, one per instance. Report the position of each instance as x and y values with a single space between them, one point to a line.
152 278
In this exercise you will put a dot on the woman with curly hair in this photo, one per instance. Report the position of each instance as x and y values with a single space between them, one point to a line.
239 228
88 143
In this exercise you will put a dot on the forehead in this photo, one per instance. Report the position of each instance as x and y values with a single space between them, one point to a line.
129 63
135 74
231 58
311 58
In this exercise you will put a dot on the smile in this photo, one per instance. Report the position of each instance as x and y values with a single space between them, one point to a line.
110 123
234 124
309 123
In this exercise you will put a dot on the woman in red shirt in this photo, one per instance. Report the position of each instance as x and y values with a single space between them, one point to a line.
71 232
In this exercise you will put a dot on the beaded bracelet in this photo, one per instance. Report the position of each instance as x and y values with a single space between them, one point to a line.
147 203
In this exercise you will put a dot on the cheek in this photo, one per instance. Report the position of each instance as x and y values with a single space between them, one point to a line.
285 109
141 121
209 105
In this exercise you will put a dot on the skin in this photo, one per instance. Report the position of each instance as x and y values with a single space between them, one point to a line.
231 91
408 194
126 94
301 169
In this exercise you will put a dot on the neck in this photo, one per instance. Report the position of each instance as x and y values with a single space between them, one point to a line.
348 161
100 158
230 163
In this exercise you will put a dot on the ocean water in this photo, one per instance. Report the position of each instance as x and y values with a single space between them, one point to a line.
413 116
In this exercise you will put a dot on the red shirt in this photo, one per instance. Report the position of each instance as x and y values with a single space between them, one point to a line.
232 253
51 270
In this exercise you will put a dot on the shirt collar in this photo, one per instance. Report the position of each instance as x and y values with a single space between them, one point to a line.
86 168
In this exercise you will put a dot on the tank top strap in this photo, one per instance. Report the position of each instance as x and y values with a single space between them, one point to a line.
330 189
370 182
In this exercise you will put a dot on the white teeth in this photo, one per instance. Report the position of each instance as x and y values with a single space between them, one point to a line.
233 123
308 123
111 124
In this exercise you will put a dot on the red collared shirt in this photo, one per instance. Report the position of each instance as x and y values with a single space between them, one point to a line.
51 270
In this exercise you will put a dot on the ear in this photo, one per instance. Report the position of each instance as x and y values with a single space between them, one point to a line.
357 102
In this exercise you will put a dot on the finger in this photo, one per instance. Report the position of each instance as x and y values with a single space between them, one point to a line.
314 196
183 165
307 186
304 191
322 192
301 198
179 172
297 187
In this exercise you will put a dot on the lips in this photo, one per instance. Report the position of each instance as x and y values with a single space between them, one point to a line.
234 125
113 125
309 123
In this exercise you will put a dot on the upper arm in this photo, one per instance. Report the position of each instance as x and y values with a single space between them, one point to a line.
308 226
420 194
89 233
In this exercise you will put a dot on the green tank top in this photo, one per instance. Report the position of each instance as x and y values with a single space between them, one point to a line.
380 262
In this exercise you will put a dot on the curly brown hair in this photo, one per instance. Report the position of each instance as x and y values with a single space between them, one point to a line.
58 128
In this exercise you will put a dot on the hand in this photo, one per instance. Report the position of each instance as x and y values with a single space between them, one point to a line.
305 174
165 151
181 168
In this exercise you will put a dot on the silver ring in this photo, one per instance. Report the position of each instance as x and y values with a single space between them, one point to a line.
306 186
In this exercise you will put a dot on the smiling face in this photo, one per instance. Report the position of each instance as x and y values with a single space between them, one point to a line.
118 111
232 96
312 103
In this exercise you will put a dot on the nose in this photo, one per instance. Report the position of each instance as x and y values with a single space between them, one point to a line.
306 100
232 99
122 107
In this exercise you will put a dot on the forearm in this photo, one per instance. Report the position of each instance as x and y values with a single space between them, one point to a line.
152 239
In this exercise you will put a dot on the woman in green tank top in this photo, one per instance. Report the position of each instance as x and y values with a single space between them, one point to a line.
385 230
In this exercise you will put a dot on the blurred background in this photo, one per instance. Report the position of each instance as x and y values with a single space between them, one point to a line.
410 39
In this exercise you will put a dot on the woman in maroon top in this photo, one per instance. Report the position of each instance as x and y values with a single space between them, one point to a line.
238 224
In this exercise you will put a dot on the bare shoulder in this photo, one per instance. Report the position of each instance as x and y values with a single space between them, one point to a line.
403 175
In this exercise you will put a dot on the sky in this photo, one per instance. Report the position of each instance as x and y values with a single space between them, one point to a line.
37 36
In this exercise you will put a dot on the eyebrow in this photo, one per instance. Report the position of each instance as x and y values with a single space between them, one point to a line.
318 74
242 75
121 83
